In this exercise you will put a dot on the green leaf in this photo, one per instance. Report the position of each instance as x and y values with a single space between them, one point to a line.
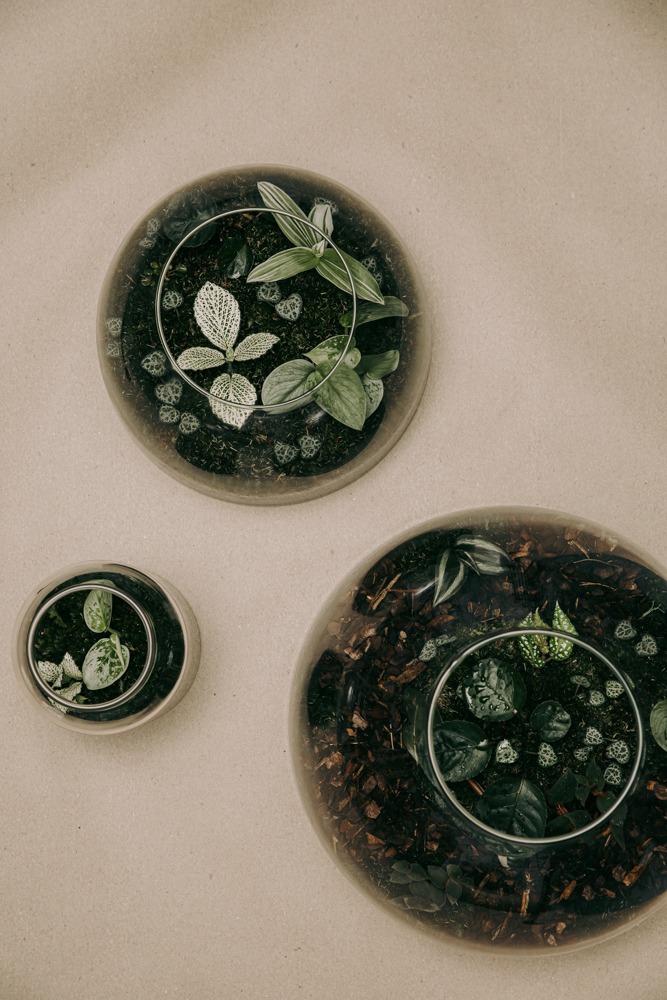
234 389
551 719
97 610
322 217
494 690
482 556
532 646
424 890
595 776
198 358
286 381
284 265
218 315
184 212
378 365
461 749
561 649
437 875
343 397
365 285
566 824
563 790
255 346
374 389
297 232
367 311
659 723
514 806
242 263
105 662
449 576
229 251
70 668
454 890
330 350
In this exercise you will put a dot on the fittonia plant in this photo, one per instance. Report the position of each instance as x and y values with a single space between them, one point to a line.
219 318
105 662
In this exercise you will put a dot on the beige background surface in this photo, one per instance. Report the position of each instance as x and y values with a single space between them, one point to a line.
519 148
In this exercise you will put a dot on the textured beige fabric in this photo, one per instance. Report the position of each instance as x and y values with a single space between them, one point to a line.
519 149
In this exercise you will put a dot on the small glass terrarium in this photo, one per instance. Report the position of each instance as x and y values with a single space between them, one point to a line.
262 332
102 648
480 730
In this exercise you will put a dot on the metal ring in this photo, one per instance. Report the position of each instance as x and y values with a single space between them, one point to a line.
102 706
538 842
254 407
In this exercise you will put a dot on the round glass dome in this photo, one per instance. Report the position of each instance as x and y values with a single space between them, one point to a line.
479 730
262 332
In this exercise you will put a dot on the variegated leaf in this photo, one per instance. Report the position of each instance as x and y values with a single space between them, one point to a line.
234 389
365 285
197 358
367 312
73 690
330 349
450 574
561 649
321 216
374 389
286 381
378 365
49 672
297 232
218 315
104 664
284 265
254 346
97 610
529 646
70 668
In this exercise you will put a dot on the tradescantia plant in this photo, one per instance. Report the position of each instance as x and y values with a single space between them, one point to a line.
354 390
105 662
219 318
465 554
308 251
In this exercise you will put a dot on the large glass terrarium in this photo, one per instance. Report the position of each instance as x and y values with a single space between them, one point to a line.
479 730
263 334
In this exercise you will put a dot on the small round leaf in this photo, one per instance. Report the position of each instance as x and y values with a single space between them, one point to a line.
494 690
552 720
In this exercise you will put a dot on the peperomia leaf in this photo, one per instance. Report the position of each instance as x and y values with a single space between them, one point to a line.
482 556
494 690
343 396
105 662
284 265
198 358
97 610
449 576
561 649
330 350
297 232
551 719
241 264
369 311
378 365
365 285
374 389
564 788
514 806
286 381
659 723
218 315
235 389
461 749
322 217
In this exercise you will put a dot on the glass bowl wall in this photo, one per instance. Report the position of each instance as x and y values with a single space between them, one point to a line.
165 632
359 731
266 460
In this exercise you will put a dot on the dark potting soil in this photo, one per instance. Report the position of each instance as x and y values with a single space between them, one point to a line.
63 630
375 801
248 451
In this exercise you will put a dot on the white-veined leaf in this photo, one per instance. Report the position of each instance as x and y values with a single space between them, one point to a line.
103 665
254 346
72 690
374 389
49 672
218 315
365 285
286 381
369 311
343 397
321 216
70 668
97 610
234 389
284 265
378 365
297 232
330 350
197 358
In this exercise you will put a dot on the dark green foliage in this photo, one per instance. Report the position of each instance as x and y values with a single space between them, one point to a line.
494 690
461 749
515 806
552 721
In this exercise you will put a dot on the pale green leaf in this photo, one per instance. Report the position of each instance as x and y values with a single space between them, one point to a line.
449 576
297 232
378 365
70 692
197 358
330 350
365 285
70 668
49 672
284 265
343 397
286 381
255 346
374 389
218 315
97 610
659 723
369 311
234 389
321 216
103 664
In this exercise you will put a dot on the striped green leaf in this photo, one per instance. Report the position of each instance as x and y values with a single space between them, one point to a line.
365 285
284 265
369 311
297 232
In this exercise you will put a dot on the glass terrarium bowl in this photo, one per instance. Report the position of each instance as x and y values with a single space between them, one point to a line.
189 333
64 650
479 730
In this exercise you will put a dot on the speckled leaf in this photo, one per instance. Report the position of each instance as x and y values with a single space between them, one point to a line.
255 346
97 610
365 285
70 692
103 663
297 232
514 806
659 723
461 749
531 647
284 265
235 389
218 315
552 721
561 649
329 350
286 381
449 576
374 389
70 668
494 690
198 358
49 672
369 311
